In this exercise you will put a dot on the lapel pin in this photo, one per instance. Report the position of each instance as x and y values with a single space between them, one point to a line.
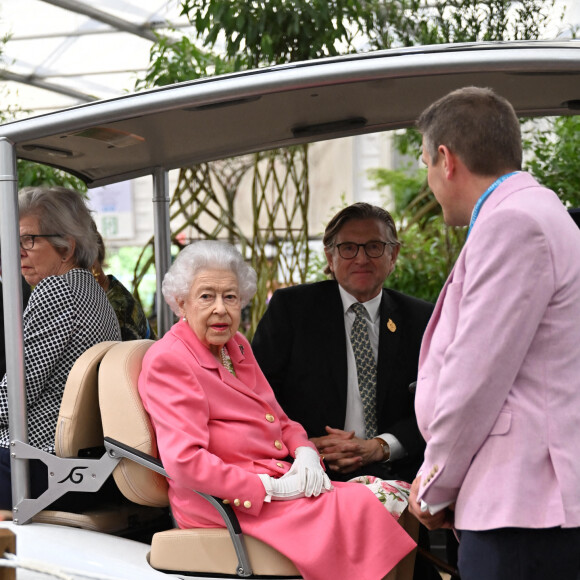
391 325
241 348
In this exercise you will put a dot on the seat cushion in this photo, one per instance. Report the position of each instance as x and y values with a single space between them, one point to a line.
125 420
79 420
210 550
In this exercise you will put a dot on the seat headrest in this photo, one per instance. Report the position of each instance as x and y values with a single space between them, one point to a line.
79 420
125 419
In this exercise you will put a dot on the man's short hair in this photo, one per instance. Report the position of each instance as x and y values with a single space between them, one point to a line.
478 126
358 211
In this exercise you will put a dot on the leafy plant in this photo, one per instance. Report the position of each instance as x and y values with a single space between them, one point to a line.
393 23
173 62
429 247
554 160
426 258
277 31
30 173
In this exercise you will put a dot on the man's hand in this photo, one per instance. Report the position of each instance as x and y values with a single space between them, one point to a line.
345 453
442 519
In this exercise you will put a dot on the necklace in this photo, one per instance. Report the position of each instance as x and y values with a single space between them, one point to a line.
226 360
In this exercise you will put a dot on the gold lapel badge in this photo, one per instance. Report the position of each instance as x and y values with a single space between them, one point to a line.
391 325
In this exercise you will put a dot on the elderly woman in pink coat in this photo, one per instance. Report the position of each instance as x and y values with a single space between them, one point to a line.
221 431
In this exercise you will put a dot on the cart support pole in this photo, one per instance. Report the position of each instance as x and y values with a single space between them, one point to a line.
12 296
162 245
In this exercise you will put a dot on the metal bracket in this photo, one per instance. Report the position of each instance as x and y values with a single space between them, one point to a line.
64 474
118 450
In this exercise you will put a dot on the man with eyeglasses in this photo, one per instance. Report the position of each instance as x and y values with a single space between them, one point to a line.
303 345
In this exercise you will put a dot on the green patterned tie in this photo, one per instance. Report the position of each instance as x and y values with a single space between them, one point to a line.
366 368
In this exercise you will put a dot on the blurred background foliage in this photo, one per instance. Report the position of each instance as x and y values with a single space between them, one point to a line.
279 31
235 35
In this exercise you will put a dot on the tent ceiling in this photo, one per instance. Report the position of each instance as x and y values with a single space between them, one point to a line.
65 52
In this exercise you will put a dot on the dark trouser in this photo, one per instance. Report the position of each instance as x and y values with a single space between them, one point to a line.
520 554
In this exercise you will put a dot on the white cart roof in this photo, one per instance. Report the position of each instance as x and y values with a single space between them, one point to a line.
188 123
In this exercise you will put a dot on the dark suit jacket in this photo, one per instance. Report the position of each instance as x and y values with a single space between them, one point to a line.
25 295
300 344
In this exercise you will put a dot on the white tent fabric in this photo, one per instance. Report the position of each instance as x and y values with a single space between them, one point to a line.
64 52
61 53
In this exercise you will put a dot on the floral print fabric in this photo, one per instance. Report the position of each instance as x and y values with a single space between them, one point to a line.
393 494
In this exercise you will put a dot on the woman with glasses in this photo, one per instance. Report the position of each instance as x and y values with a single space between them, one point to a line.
67 313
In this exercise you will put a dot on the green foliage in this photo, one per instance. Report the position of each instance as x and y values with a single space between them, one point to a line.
426 258
429 248
30 173
416 22
554 160
404 183
174 62
278 31
316 264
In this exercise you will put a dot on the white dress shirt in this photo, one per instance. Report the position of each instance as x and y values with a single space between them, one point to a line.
354 420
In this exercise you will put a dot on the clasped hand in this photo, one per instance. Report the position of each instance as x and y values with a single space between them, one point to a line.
343 452
306 478
441 519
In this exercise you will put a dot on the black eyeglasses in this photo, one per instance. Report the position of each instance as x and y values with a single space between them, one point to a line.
349 250
27 240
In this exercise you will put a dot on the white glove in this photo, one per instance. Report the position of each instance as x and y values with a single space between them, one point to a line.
312 479
281 489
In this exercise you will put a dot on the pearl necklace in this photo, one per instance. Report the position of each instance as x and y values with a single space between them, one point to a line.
226 360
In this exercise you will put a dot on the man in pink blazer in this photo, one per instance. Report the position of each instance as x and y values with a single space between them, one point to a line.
498 390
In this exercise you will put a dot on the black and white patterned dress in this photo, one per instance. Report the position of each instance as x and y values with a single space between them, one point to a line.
65 316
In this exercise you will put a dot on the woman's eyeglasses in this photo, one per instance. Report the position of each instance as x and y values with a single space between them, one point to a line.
27 240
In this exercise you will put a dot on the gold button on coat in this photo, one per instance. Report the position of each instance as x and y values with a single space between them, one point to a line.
226 501
237 502
247 504
279 465
277 444
270 418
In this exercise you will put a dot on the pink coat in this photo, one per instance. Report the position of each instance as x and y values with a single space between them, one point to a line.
498 392
216 432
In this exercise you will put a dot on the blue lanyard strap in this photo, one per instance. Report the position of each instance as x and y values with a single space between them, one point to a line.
484 197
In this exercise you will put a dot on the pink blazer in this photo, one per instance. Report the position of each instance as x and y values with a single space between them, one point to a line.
224 429
498 390
216 432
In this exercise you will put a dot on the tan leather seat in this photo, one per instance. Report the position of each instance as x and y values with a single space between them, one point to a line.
79 420
79 428
193 550
124 419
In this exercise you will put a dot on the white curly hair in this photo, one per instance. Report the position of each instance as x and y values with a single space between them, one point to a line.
202 255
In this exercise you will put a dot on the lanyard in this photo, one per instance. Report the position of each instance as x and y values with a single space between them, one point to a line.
484 197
